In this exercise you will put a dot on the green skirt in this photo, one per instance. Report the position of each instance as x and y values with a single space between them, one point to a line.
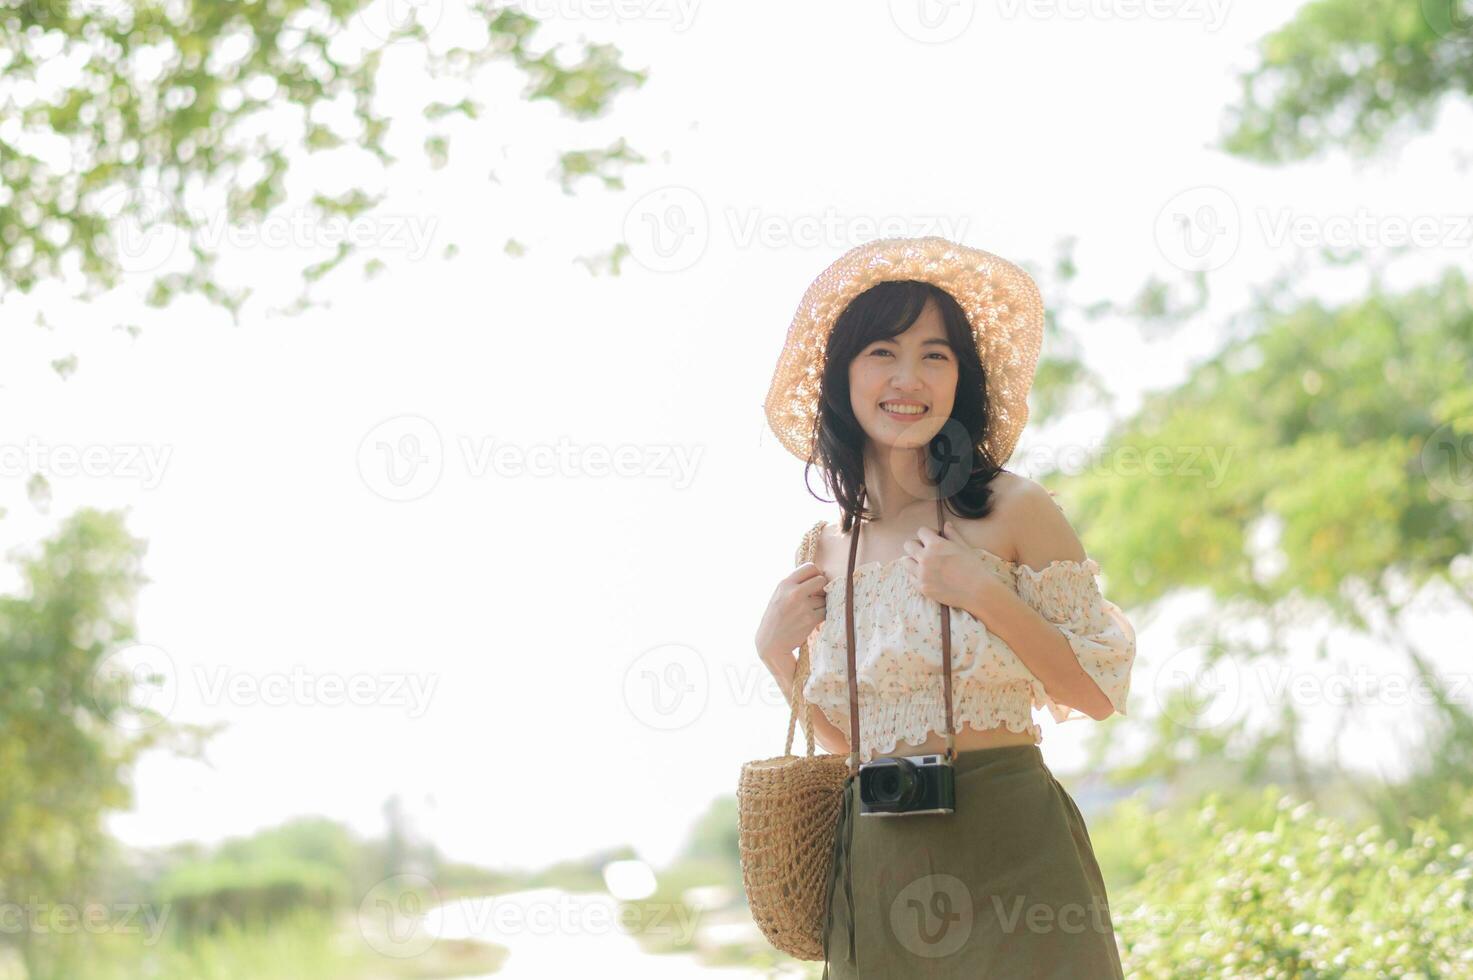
1006 886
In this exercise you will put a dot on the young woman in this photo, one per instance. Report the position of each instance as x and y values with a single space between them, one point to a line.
904 378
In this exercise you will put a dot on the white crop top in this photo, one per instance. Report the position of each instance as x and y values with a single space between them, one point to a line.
897 652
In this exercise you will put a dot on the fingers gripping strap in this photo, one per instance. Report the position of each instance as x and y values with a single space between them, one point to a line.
854 747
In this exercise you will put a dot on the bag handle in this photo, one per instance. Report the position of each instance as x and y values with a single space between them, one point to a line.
849 630
805 554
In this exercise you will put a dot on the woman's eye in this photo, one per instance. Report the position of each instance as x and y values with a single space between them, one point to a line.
886 351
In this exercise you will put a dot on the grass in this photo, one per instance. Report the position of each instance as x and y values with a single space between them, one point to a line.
306 947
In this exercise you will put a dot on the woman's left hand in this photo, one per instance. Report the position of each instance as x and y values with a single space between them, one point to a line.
944 569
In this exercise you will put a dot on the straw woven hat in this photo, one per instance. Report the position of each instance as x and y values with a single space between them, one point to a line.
1001 302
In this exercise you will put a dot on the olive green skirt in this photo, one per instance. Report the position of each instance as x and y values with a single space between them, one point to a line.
1006 886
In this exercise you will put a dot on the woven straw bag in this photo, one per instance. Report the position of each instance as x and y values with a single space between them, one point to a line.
787 815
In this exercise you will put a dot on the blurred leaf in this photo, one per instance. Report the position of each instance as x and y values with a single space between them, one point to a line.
163 123
1351 74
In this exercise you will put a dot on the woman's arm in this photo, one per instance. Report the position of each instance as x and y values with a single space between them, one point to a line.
1044 650
1045 537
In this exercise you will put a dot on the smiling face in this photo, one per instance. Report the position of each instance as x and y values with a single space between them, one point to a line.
901 389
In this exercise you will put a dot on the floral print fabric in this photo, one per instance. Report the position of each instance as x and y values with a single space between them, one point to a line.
897 634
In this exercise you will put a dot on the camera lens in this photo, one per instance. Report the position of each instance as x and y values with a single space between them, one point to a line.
889 787
895 783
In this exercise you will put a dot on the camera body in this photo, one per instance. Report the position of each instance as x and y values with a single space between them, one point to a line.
906 785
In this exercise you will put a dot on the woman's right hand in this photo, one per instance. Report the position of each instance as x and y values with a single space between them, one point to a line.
796 608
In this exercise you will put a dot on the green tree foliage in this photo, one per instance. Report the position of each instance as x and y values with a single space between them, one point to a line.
166 115
1312 474
1344 433
714 835
70 731
1351 73
311 840
1318 421
1285 892
1064 382
259 894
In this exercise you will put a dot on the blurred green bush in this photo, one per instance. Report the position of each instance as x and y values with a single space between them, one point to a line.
202 897
1261 886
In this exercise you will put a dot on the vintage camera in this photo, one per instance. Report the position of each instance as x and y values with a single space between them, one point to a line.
903 785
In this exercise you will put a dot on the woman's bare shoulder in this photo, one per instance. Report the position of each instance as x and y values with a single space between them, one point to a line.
828 542
996 531
1037 525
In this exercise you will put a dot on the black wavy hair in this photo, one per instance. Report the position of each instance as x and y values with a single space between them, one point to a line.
879 313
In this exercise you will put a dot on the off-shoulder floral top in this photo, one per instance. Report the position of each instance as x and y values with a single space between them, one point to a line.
897 635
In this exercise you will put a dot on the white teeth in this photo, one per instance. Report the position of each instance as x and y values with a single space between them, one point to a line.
903 409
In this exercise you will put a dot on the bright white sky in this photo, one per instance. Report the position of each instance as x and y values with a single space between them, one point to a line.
512 622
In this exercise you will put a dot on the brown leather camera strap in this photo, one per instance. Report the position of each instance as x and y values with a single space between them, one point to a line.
849 636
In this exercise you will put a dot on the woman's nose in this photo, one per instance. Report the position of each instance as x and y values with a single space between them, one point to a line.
905 378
